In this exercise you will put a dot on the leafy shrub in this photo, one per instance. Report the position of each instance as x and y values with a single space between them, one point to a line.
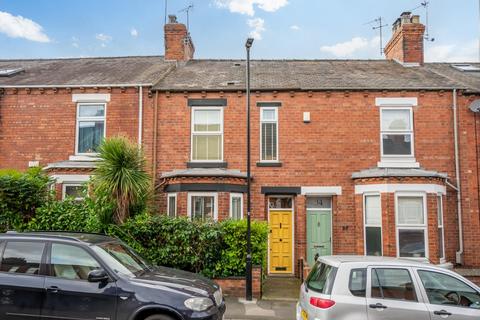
67 215
20 195
233 254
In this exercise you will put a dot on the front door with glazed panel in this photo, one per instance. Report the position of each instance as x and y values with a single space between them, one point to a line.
280 241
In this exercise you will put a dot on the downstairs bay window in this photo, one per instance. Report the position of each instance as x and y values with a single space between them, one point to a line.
411 226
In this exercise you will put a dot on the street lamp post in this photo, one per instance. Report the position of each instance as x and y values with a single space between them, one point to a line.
248 276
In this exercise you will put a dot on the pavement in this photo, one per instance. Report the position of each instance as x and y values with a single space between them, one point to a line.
279 299
239 309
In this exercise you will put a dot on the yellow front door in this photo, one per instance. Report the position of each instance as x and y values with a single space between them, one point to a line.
280 241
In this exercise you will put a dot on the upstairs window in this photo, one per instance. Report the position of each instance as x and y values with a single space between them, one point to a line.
207 134
90 127
397 132
268 134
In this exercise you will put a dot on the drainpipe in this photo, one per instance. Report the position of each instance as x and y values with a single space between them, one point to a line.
459 253
155 135
140 115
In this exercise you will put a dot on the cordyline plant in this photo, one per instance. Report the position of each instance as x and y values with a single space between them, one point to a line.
120 176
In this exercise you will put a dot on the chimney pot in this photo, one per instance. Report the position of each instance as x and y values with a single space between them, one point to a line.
172 18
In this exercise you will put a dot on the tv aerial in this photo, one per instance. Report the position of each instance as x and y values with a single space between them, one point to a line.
425 5
378 25
187 11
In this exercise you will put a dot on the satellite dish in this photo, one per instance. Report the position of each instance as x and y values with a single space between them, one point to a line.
475 106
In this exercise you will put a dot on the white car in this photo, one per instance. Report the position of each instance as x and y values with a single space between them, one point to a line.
361 288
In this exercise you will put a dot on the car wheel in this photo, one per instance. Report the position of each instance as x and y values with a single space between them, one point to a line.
159 317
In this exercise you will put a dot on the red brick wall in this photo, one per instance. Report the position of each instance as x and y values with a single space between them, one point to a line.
40 124
324 152
235 286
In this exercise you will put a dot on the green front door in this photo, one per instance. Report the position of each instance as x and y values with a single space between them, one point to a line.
319 234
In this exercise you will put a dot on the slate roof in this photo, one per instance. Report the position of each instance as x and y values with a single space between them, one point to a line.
229 75
464 78
397 172
71 164
86 71
225 75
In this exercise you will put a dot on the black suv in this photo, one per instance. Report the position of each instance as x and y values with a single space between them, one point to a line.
56 275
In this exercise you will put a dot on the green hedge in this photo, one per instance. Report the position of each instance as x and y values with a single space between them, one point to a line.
20 195
211 248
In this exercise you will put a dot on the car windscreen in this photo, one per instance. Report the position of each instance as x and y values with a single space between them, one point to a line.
321 278
121 258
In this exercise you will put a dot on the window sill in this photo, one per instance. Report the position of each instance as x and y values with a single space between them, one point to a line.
221 164
92 157
397 162
269 164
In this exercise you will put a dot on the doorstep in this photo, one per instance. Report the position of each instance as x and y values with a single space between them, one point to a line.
281 288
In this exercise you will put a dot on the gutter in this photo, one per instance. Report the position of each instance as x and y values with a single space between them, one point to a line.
459 253
129 85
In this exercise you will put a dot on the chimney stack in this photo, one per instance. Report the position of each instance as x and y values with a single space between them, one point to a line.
406 44
178 44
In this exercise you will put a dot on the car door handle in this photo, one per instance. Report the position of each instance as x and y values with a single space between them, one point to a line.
377 306
442 313
53 289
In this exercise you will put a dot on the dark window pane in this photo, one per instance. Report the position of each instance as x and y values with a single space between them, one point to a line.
236 208
373 238
357 283
443 289
393 284
75 192
72 262
280 203
22 257
321 278
90 135
203 207
411 243
269 141
92 110
397 144
172 206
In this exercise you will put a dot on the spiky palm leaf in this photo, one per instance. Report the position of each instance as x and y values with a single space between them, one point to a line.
121 175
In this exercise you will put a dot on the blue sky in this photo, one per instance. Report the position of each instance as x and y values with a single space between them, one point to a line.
299 29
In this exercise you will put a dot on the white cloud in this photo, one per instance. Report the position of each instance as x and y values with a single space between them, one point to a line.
75 42
466 52
134 32
20 27
247 6
258 26
358 47
103 37
295 27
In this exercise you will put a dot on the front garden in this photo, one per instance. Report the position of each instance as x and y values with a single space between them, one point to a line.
118 202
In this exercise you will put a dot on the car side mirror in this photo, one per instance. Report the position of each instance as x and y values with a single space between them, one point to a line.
98 275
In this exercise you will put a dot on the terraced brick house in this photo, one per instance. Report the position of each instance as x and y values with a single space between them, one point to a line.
374 157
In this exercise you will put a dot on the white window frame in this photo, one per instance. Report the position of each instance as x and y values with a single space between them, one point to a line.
365 225
423 227
171 195
206 133
85 119
71 184
276 133
236 195
203 194
442 226
397 132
